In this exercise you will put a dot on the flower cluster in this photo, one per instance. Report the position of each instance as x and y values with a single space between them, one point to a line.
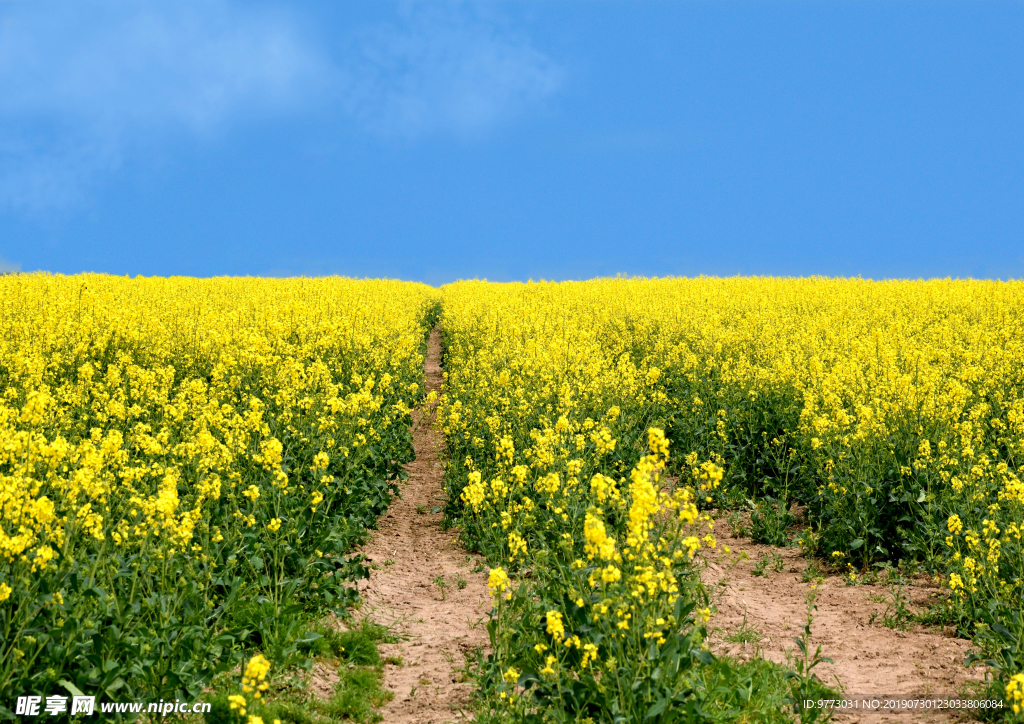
254 679
1015 692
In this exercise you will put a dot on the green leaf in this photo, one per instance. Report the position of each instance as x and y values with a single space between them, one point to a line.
75 691
657 707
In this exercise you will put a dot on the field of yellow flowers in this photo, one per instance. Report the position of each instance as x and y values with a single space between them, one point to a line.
186 466
589 425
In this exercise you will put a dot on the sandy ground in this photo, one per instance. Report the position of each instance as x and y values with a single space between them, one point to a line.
871 660
409 551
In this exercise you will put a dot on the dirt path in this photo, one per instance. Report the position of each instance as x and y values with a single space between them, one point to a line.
871 660
409 552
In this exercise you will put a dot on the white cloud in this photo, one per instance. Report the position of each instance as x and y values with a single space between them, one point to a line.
86 85
80 82
449 68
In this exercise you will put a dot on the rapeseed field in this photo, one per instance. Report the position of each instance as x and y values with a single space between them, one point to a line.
187 465
593 426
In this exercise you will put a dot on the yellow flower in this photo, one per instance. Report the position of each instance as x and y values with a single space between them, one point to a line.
1015 692
253 680
516 545
547 670
237 703
598 543
555 626
497 581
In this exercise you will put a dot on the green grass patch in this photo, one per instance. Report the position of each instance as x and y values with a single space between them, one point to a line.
356 697
756 691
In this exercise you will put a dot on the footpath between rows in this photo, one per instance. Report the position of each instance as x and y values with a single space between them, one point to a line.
430 591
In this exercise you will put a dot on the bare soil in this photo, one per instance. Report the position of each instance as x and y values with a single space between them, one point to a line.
872 661
409 552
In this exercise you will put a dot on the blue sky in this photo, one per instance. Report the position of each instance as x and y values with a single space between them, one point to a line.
435 141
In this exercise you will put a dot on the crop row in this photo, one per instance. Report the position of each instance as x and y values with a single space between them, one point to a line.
888 416
186 466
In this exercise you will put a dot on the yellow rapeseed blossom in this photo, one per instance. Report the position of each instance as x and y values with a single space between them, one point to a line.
253 680
1015 692
237 703
554 625
497 581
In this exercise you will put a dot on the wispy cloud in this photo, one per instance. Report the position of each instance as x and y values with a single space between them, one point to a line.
86 86
454 67
80 83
